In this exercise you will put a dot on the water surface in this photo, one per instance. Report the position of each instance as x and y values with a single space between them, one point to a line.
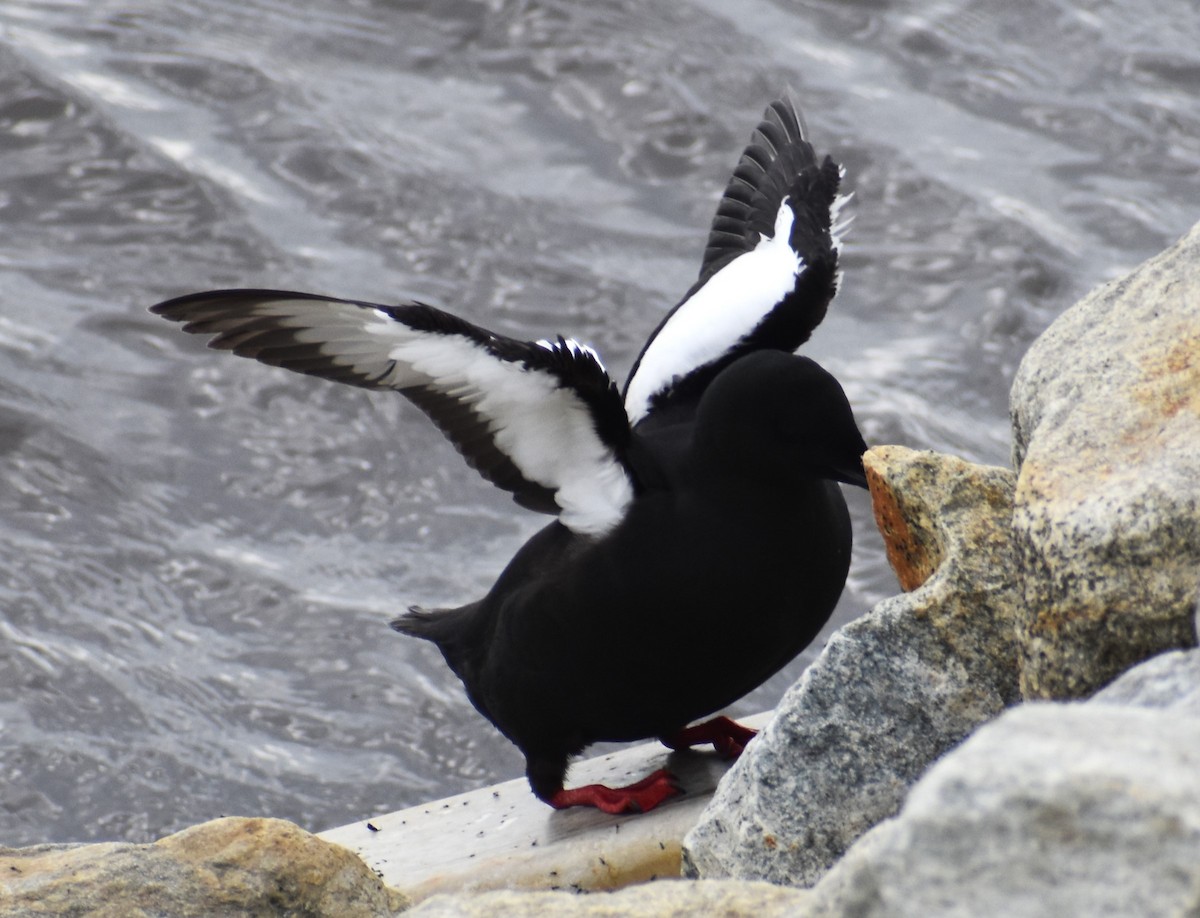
201 554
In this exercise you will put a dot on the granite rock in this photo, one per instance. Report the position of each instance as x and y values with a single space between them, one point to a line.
1106 417
891 691
227 867
1053 809
663 899
1171 680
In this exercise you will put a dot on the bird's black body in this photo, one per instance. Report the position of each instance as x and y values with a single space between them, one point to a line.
702 539
705 590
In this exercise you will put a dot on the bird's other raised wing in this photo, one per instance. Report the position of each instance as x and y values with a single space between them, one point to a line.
768 274
541 420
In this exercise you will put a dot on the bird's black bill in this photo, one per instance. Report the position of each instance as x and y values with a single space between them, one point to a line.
849 474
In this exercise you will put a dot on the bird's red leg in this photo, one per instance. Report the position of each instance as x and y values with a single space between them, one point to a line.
546 773
640 797
727 736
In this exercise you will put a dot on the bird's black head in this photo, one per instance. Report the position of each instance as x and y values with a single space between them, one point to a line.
775 413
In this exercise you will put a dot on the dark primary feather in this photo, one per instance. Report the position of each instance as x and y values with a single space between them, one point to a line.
777 152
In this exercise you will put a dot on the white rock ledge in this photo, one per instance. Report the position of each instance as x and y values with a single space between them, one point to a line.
502 837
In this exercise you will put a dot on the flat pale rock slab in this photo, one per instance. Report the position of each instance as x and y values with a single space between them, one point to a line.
502 837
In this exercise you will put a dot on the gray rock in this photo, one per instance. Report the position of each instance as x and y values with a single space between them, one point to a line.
1052 810
664 899
1106 416
227 867
1170 680
891 691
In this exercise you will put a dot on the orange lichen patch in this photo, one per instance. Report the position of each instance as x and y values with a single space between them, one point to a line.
1171 378
909 555
1053 621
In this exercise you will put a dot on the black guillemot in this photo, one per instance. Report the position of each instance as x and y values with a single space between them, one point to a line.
701 539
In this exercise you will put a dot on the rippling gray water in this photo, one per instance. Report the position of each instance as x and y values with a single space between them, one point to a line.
200 554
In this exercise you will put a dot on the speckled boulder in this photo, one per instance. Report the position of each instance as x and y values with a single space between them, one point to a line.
1054 809
1106 415
220 869
1170 680
891 691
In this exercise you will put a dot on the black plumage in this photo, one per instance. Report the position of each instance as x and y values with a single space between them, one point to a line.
702 539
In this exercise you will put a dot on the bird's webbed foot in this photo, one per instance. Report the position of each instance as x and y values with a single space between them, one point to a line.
727 736
546 779
640 797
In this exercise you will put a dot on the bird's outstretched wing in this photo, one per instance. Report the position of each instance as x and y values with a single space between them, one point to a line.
541 419
768 275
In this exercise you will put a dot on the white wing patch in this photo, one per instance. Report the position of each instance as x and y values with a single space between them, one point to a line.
544 428
722 312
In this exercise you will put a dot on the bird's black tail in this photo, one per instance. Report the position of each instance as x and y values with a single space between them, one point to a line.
427 624
452 630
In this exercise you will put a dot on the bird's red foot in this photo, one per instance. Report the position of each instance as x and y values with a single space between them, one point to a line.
640 797
727 736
